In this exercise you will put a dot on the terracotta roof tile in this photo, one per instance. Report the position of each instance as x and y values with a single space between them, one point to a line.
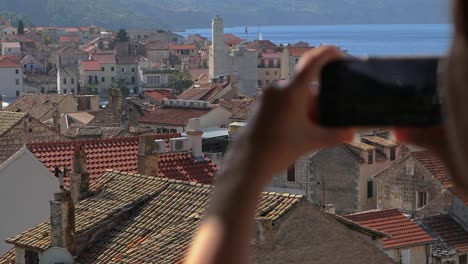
231 39
70 50
361 146
403 232
9 257
6 62
435 165
69 38
298 51
172 116
182 47
160 94
121 154
449 231
159 231
9 119
90 65
261 44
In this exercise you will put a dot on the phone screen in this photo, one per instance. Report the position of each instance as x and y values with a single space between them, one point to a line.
381 92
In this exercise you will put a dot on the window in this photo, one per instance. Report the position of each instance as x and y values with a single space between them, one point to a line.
370 189
31 257
17 71
370 157
90 79
64 91
95 79
17 93
173 131
133 79
133 69
17 81
25 66
276 72
421 199
267 73
64 80
154 80
112 68
292 173
103 69
123 69
462 259
103 79
73 91
72 80
392 153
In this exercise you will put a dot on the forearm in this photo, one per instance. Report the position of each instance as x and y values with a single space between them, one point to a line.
225 235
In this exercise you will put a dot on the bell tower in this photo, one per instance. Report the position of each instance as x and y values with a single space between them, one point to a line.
218 51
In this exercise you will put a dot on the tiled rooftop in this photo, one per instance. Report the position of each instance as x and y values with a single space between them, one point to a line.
240 108
435 165
231 39
460 194
9 119
361 146
90 65
37 105
159 231
183 47
403 232
453 234
172 116
6 62
160 94
380 141
121 154
104 58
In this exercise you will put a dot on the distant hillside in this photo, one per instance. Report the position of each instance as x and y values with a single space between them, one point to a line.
178 14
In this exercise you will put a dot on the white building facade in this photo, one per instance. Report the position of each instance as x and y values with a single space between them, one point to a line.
11 79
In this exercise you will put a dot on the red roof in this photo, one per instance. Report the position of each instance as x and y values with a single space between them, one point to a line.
90 66
69 38
159 95
298 51
261 44
172 116
402 230
449 231
105 58
183 47
6 62
231 39
121 154
432 163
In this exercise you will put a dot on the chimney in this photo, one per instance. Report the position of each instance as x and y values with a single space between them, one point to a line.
79 177
148 156
115 100
194 134
56 118
124 120
62 217
1 103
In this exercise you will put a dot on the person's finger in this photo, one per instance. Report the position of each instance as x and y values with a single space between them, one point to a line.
310 65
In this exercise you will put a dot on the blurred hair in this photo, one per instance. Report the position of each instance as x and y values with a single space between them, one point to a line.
457 94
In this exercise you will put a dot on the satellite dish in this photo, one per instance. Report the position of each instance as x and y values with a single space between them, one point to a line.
56 255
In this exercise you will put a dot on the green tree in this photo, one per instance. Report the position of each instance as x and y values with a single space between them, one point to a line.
90 89
122 86
180 81
122 36
20 27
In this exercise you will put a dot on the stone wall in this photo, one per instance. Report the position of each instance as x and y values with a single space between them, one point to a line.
338 174
307 235
280 182
396 188
26 132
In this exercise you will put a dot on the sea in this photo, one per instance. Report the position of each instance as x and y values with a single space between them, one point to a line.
357 40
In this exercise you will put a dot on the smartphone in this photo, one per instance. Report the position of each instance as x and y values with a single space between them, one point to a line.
400 91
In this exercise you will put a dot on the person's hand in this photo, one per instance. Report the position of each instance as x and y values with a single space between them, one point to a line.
283 126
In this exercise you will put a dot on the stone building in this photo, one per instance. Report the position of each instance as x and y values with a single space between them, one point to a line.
343 176
17 129
237 62
223 88
11 78
268 69
417 182
289 60
160 220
